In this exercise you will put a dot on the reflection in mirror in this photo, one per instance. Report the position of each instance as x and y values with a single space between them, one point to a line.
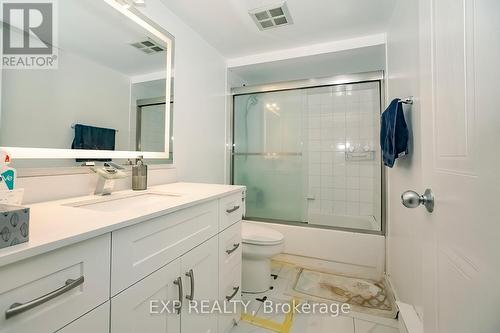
148 116
107 64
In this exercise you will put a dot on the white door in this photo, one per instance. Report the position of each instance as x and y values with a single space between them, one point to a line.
131 309
460 105
199 268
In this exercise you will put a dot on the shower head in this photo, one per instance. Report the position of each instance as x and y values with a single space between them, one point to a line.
252 100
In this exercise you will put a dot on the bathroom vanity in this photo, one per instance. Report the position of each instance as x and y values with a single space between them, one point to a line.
93 264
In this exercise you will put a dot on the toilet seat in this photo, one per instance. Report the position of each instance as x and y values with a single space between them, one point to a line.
257 235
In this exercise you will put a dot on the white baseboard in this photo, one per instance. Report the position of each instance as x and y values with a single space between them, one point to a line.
409 320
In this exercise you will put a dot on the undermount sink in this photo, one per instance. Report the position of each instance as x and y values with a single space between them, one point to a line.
117 202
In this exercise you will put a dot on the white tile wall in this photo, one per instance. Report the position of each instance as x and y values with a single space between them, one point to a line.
340 117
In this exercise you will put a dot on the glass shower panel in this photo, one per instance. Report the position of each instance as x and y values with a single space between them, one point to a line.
267 154
344 167
153 127
311 155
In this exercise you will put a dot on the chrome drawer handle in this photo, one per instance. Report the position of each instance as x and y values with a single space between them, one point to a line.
230 297
18 308
235 208
236 246
190 274
178 282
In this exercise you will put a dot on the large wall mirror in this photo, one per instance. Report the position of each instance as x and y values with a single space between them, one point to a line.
111 96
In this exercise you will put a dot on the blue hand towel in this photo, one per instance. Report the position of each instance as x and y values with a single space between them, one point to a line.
393 133
89 137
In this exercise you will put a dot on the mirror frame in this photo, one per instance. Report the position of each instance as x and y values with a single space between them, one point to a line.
58 153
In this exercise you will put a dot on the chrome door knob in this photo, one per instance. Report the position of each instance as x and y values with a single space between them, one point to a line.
412 199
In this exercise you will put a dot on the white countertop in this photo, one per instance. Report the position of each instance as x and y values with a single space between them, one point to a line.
53 225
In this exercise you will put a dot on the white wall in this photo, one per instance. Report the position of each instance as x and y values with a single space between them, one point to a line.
200 98
356 60
55 187
39 106
404 247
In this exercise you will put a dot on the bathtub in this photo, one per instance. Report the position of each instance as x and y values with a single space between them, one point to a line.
344 221
352 253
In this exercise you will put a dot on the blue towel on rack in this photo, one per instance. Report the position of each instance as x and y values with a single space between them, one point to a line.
393 133
89 137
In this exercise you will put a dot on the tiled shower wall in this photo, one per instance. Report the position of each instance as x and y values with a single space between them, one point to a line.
340 119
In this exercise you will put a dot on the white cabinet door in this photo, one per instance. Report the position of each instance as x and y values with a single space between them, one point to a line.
131 310
96 321
200 274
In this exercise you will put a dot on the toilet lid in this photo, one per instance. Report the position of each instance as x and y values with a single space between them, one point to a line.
254 234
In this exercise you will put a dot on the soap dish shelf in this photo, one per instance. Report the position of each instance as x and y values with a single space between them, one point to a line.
360 156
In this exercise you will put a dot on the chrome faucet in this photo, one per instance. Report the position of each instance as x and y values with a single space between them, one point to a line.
107 176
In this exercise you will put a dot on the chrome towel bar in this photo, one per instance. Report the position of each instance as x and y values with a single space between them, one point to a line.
407 100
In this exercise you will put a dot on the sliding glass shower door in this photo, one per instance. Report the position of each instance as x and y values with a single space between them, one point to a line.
268 148
311 155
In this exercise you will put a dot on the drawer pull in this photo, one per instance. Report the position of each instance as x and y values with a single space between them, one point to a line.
190 274
178 283
235 208
18 308
236 246
230 297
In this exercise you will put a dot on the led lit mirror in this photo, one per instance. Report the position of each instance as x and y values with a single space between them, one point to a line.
103 91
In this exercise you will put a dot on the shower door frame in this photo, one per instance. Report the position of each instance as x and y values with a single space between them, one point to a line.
376 76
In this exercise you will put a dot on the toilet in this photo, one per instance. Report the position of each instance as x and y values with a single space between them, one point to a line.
259 245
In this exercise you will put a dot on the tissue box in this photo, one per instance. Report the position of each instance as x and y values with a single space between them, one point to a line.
14 225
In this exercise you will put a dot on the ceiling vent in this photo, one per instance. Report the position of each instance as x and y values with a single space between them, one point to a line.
273 16
148 46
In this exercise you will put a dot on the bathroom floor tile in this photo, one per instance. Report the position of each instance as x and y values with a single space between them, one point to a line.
362 326
280 288
322 324
353 322
254 307
244 327
276 268
275 315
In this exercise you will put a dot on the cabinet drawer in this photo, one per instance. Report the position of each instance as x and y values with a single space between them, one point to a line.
62 285
96 321
139 250
229 282
230 210
230 247
229 285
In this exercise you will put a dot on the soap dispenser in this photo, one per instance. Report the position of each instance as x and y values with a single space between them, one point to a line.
139 175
